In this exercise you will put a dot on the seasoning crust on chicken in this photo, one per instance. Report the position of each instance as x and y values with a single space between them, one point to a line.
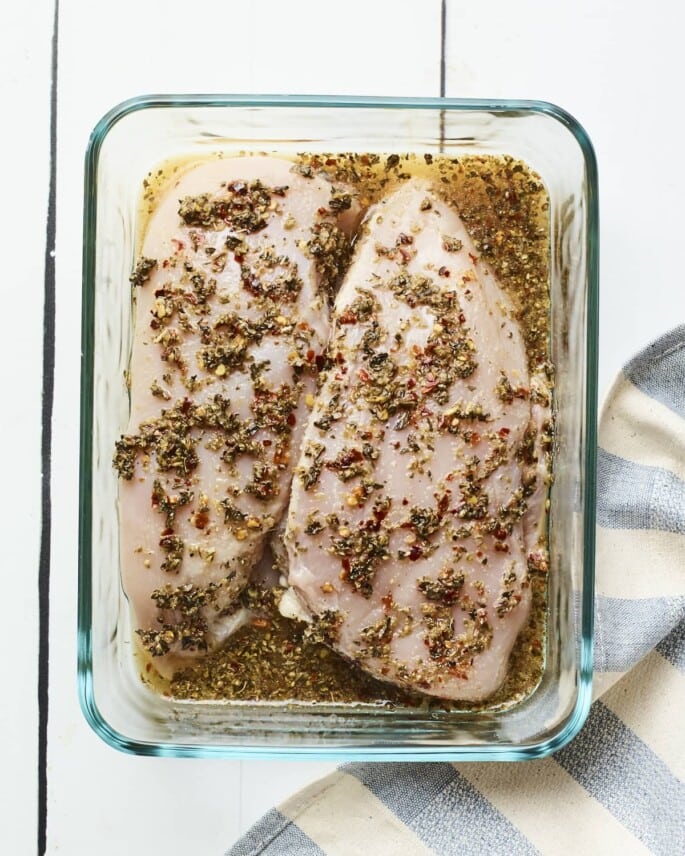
231 322
419 495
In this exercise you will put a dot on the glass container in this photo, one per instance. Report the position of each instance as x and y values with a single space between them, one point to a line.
141 133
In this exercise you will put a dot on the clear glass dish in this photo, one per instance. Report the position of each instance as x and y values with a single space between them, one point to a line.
125 145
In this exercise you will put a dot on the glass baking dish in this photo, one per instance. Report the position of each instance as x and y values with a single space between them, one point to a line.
141 133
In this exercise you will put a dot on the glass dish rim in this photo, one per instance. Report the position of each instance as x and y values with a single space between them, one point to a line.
492 752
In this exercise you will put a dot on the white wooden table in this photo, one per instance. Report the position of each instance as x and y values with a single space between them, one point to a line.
617 66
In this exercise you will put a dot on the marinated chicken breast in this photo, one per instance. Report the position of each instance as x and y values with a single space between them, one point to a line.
407 534
231 321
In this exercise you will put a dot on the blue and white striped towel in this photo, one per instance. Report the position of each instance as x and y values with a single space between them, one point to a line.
619 787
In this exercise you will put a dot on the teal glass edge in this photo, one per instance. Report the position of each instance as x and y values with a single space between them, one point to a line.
387 753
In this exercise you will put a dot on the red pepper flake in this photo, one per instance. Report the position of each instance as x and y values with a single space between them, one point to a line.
462 318
292 419
260 622
322 211
347 317
148 666
538 562
167 531
200 520
415 553
458 673
443 271
387 602
504 432
320 362
281 456
363 375
346 459
239 258
474 259
331 161
310 355
179 245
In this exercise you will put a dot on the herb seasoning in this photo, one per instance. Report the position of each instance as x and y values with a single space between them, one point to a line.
504 207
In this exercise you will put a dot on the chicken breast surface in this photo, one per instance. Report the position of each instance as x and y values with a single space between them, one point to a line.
231 321
407 531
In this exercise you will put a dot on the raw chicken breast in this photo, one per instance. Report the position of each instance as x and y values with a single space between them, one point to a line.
231 320
405 532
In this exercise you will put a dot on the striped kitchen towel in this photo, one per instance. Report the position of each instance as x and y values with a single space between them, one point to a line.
619 786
